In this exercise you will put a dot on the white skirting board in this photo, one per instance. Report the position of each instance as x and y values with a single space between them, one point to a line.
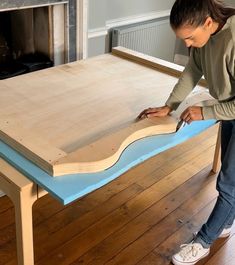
2 193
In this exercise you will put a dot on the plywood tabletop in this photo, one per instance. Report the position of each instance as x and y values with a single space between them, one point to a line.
55 117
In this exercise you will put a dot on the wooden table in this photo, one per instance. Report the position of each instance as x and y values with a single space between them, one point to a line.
24 178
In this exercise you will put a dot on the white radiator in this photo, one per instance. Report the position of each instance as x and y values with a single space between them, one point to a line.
154 38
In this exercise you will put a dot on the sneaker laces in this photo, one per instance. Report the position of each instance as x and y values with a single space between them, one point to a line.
189 250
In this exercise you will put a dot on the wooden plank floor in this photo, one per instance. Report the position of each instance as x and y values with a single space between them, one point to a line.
140 218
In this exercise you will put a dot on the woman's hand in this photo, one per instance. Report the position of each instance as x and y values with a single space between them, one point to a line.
155 112
193 113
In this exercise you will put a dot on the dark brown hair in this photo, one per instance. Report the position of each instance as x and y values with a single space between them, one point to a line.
195 12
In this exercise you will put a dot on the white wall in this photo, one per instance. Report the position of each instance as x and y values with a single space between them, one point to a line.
124 8
103 12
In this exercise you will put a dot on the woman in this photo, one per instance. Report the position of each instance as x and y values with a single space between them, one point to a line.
208 28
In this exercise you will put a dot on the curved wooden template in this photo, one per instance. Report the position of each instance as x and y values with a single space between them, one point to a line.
101 154
105 152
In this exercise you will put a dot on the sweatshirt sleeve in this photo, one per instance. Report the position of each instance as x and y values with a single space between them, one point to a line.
221 111
188 80
224 110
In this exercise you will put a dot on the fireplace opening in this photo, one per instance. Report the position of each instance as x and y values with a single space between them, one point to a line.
25 41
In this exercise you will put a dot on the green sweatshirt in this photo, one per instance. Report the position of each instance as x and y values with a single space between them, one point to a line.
216 61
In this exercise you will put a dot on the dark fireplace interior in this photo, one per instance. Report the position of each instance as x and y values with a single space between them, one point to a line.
25 41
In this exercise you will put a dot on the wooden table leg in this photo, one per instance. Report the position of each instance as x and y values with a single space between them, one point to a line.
23 194
216 162
24 227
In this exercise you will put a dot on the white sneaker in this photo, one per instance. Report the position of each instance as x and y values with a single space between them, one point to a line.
190 254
